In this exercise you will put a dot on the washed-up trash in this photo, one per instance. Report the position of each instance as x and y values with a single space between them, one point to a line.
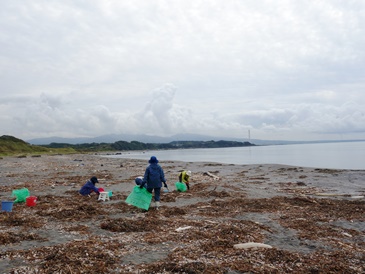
140 198
104 196
20 194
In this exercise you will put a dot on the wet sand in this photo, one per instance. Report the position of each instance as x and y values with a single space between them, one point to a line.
313 219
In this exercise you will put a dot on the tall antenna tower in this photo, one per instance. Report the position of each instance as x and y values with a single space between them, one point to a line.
249 135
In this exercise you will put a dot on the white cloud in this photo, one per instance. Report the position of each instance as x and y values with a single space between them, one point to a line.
283 69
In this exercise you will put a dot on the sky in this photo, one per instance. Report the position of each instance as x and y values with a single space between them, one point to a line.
271 70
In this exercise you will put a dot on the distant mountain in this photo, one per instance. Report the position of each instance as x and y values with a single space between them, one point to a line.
135 145
111 138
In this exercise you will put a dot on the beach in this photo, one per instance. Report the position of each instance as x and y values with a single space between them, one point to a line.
234 219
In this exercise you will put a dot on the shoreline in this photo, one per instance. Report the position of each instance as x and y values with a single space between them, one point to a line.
300 212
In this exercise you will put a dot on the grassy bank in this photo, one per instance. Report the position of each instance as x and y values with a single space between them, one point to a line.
11 146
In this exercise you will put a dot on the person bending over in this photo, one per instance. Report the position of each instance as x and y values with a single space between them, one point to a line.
139 181
184 177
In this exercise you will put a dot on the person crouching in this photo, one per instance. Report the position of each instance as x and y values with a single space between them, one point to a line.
89 187
184 177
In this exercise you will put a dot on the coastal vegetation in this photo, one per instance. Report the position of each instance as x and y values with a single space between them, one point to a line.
10 145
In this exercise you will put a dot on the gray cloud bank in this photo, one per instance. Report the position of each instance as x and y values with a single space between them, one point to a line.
281 69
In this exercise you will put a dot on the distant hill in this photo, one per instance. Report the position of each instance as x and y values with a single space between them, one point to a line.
134 145
111 138
10 145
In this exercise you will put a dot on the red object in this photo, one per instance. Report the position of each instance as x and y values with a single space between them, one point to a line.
101 189
31 201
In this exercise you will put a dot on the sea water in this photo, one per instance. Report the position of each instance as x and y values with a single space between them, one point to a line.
339 155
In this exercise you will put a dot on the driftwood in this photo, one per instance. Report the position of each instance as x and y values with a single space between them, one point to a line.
211 175
182 228
251 245
332 194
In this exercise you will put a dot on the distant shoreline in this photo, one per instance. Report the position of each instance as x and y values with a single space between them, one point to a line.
329 155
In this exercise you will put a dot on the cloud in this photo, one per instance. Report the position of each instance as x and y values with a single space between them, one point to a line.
163 115
281 69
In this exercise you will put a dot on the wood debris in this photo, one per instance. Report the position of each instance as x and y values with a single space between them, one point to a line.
211 175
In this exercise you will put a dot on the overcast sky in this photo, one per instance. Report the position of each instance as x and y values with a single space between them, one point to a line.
280 69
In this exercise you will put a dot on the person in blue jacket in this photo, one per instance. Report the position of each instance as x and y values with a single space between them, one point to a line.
89 187
154 177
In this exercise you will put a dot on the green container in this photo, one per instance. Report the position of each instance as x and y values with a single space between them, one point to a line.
140 198
20 194
181 187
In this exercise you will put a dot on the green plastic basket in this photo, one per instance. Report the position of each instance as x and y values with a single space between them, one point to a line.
181 187
140 198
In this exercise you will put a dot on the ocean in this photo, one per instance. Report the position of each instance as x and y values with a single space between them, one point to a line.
339 155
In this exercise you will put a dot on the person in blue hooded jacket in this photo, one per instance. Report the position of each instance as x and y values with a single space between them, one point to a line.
89 187
154 177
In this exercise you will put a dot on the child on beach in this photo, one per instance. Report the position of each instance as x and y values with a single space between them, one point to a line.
89 187
184 177
154 177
